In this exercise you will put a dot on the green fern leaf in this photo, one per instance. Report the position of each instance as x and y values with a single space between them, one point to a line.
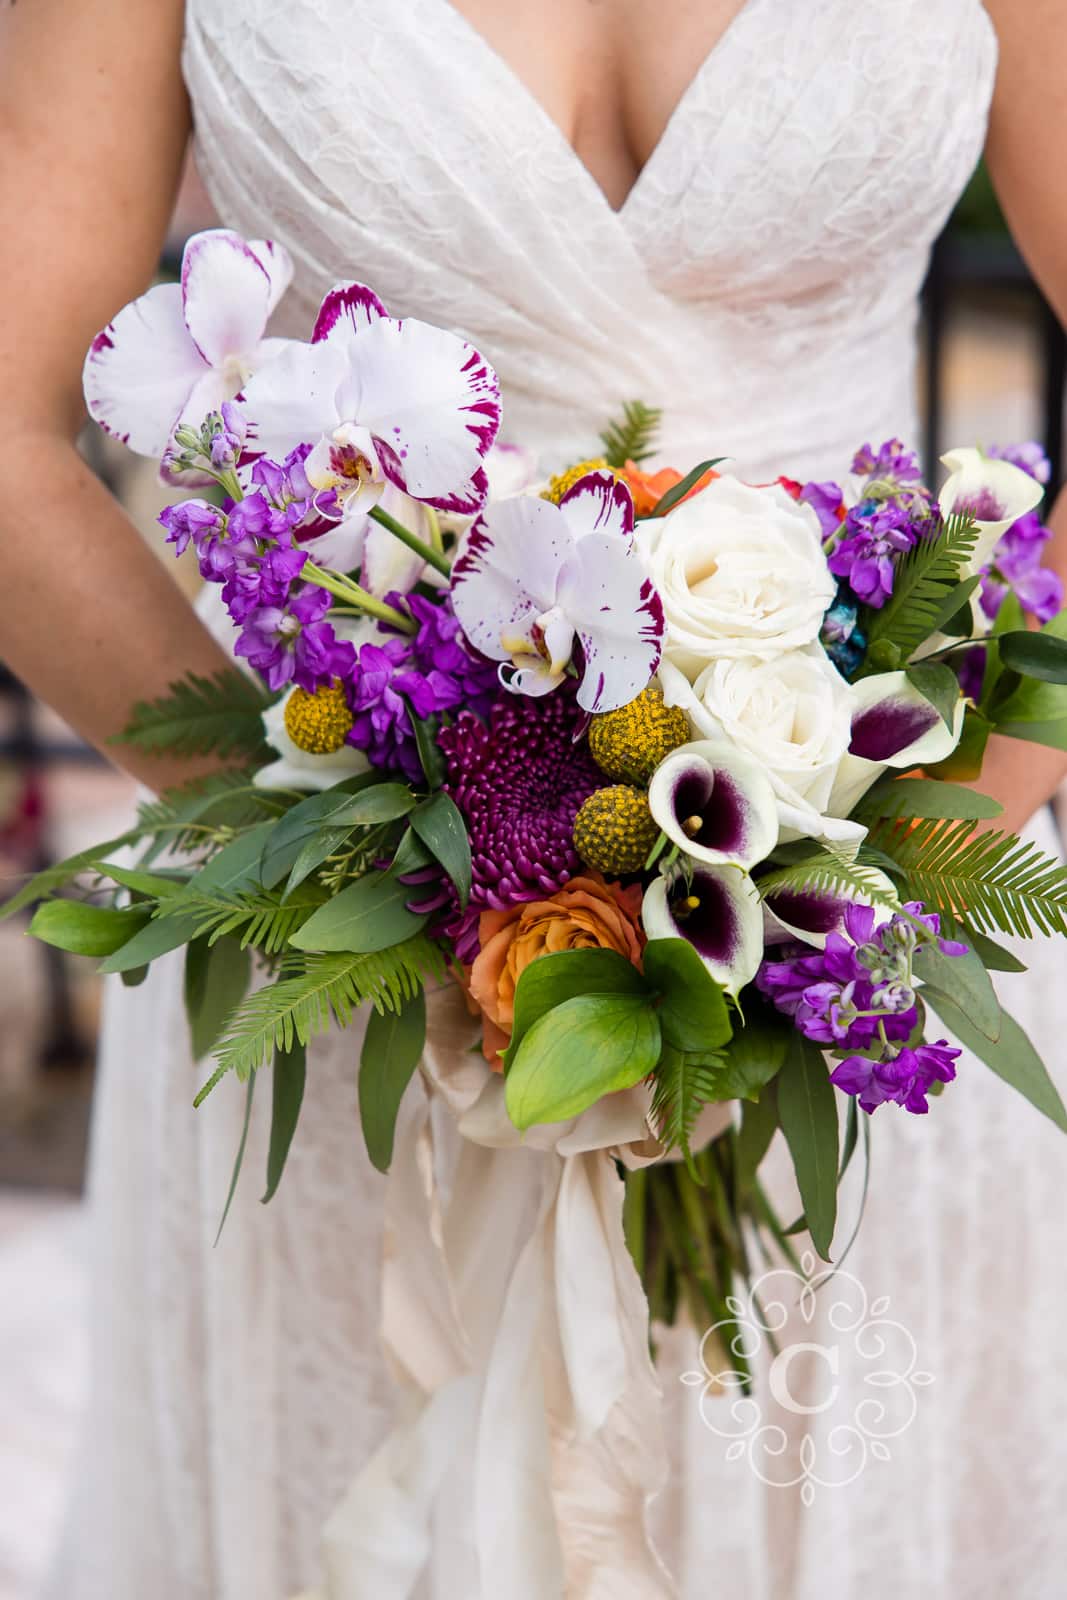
257 919
923 579
222 713
993 880
683 1084
633 437
323 989
184 817
828 873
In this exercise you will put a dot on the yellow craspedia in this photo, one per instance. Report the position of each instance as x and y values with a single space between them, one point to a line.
629 744
614 830
559 485
318 723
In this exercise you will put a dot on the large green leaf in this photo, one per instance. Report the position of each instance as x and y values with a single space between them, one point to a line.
158 938
371 914
759 1124
938 684
994 955
925 797
966 979
564 975
1012 1057
692 1012
439 823
216 981
585 1048
392 1048
331 808
807 1112
156 885
87 930
752 1058
1036 655
287 1096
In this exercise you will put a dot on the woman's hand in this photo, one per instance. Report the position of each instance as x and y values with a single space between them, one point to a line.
93 127
1027 157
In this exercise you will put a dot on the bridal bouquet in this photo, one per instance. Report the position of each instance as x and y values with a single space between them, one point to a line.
663 776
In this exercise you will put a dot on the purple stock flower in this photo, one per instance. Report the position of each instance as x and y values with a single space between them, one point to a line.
292 643
890 462
519 781
1029 457
905 1078
192 520
971 673
228 441
1017 566
827 502
461 677
875 534
382 685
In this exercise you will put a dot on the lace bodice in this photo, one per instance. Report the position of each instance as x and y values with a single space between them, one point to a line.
760 281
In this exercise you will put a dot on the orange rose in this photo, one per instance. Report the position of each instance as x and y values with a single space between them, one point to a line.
648 488
586 914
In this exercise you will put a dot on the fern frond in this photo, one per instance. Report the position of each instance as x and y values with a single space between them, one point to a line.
182 817
253 919
923 578
827 873
994 881
682 1085
326 988
633 437
221 713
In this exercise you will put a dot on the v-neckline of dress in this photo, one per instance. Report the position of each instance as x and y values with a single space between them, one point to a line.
661 149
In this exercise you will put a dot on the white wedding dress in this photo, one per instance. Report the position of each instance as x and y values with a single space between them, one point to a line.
760 284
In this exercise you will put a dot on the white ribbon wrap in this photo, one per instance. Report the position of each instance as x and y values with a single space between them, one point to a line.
531 1443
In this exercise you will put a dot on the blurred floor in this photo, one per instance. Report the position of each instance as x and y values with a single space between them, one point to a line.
992 391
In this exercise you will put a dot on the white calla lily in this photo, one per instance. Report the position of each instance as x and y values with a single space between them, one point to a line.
812 914
893 725
718 911
996 493
532 579
181 350
715 803
380 399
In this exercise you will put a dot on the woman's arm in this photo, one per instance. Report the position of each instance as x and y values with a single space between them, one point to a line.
1027 156
93 127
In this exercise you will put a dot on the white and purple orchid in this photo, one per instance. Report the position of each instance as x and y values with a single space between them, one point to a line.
183 349
533 579
379 400
716 804
386 566
718 910
893 725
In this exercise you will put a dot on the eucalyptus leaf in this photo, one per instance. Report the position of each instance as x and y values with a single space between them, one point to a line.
216 981
807 1112
1035 655
287 1096
994 955
692 1014
156 885
302 822
371 914
1012 1057
158 938
87 930
585 1048
966 979
439 823
564 975
392 1048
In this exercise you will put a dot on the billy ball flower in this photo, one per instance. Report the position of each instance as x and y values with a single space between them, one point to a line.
615 830
318 723
629 744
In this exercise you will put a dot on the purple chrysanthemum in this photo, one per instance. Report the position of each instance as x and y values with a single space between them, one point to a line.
519 781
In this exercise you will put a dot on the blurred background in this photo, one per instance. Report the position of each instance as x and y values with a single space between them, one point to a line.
993 370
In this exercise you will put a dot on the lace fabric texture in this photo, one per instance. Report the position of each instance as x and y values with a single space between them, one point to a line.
759 283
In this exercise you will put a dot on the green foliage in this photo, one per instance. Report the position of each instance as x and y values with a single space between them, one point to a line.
430 758
581 1050
45 883
753 1056
684 1083
938 684
692 1012
157 938
633 437
350 803
323 988
440 825
239 1158
1011 1055
553 979
371 914
190 816
924 576
287 1096
827 873
678 492
392 1047
925 797
966 978
1035 655
251 917
86 930
995 880
216 981
222 713
807 1111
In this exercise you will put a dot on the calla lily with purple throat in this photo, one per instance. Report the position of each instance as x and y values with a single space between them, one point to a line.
994 492
893 725
533 579
717 909
181 350
812 914
379 399
715 803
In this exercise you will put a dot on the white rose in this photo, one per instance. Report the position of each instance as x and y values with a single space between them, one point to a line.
793 714
741 571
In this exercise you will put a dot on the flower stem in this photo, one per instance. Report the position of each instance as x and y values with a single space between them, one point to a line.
634 1205
345 589
433 557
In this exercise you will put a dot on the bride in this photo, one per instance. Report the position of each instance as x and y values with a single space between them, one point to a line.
722 208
